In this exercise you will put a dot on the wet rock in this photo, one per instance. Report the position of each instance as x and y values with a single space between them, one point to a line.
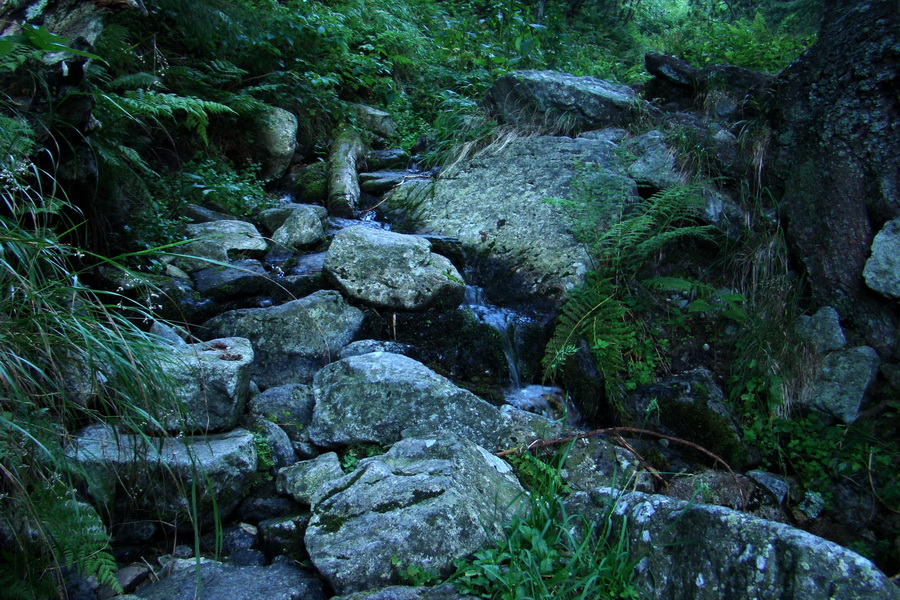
380 160
710 552
426 502
216 241
843 379
392 270
211 384
292 341
379 182
382 397
882 270
305 480
367 346
654 164
153 477
240 279
823 330
289 406
278 581
557 102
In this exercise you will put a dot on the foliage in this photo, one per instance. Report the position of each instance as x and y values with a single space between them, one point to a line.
353 453
548 553
746 42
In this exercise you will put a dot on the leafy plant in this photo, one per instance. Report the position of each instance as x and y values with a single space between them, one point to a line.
548 553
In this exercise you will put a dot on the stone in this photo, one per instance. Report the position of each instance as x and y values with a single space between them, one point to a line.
382 397
392 270
138 476
709 552
278 581
882 270
654 164
308 183
594 462
215 241
276 139
558 102
426 502
284 536
273 218
842 381
366 346
374 120
210 385
294 340
304 480
823 330
379 160
495 203
402 592
273 444
289 406
776 485
712 487
239 279
303 227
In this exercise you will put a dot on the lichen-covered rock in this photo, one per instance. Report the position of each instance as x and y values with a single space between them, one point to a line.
882 271
211 381
558 102
426 502
495 203
216 241
823 330
292 341
217 581
376 121
366 346
303 227
594 462
276 139
154 478
381 397
308 183
289 406
707 552
654 164
392 270
842 381
402 592
305 480
240 279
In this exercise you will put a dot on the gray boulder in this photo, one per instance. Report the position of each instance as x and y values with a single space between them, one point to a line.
366 346
382 397
495 203
654 164
711 552
303 227
842 382
374 120
305 480
558 102
392 270
217 581
216 241
240 279
402 592
154 477
882 270
211 381
276 139
426 502
823 330
292 341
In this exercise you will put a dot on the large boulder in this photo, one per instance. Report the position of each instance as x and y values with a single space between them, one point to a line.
710 552
302 227
381 397
882 271
276 141
211 381
426 502
842 381
496 204
834 157
294 340
392 270
215 241
137 477
558 102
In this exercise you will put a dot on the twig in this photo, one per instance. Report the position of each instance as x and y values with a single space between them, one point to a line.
537 444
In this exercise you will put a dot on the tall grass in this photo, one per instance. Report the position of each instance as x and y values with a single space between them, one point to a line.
69 355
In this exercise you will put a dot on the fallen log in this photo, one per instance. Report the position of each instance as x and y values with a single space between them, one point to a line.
343 182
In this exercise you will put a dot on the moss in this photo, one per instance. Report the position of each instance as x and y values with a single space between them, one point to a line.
700 424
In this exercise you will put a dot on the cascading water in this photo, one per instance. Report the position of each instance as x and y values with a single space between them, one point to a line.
543 400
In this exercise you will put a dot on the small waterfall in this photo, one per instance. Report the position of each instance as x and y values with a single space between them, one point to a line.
547 401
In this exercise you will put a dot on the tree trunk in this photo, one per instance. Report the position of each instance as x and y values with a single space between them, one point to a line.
343 181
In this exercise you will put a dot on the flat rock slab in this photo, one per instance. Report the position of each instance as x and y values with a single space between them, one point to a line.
382 397
294 340
547 100
224 582
152 478
392 270
426 502
708 552
496 204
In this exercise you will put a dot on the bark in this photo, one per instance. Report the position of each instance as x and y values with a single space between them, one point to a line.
343 182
